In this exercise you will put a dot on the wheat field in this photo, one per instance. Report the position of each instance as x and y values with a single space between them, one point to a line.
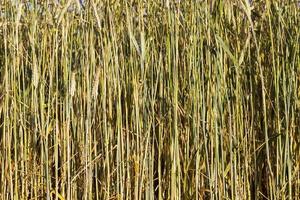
149 100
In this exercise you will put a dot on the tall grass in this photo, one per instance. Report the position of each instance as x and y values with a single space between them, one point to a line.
149 99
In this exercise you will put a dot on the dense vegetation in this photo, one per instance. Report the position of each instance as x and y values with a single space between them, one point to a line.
150 100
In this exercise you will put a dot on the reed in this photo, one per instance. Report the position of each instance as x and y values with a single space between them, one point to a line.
149 99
